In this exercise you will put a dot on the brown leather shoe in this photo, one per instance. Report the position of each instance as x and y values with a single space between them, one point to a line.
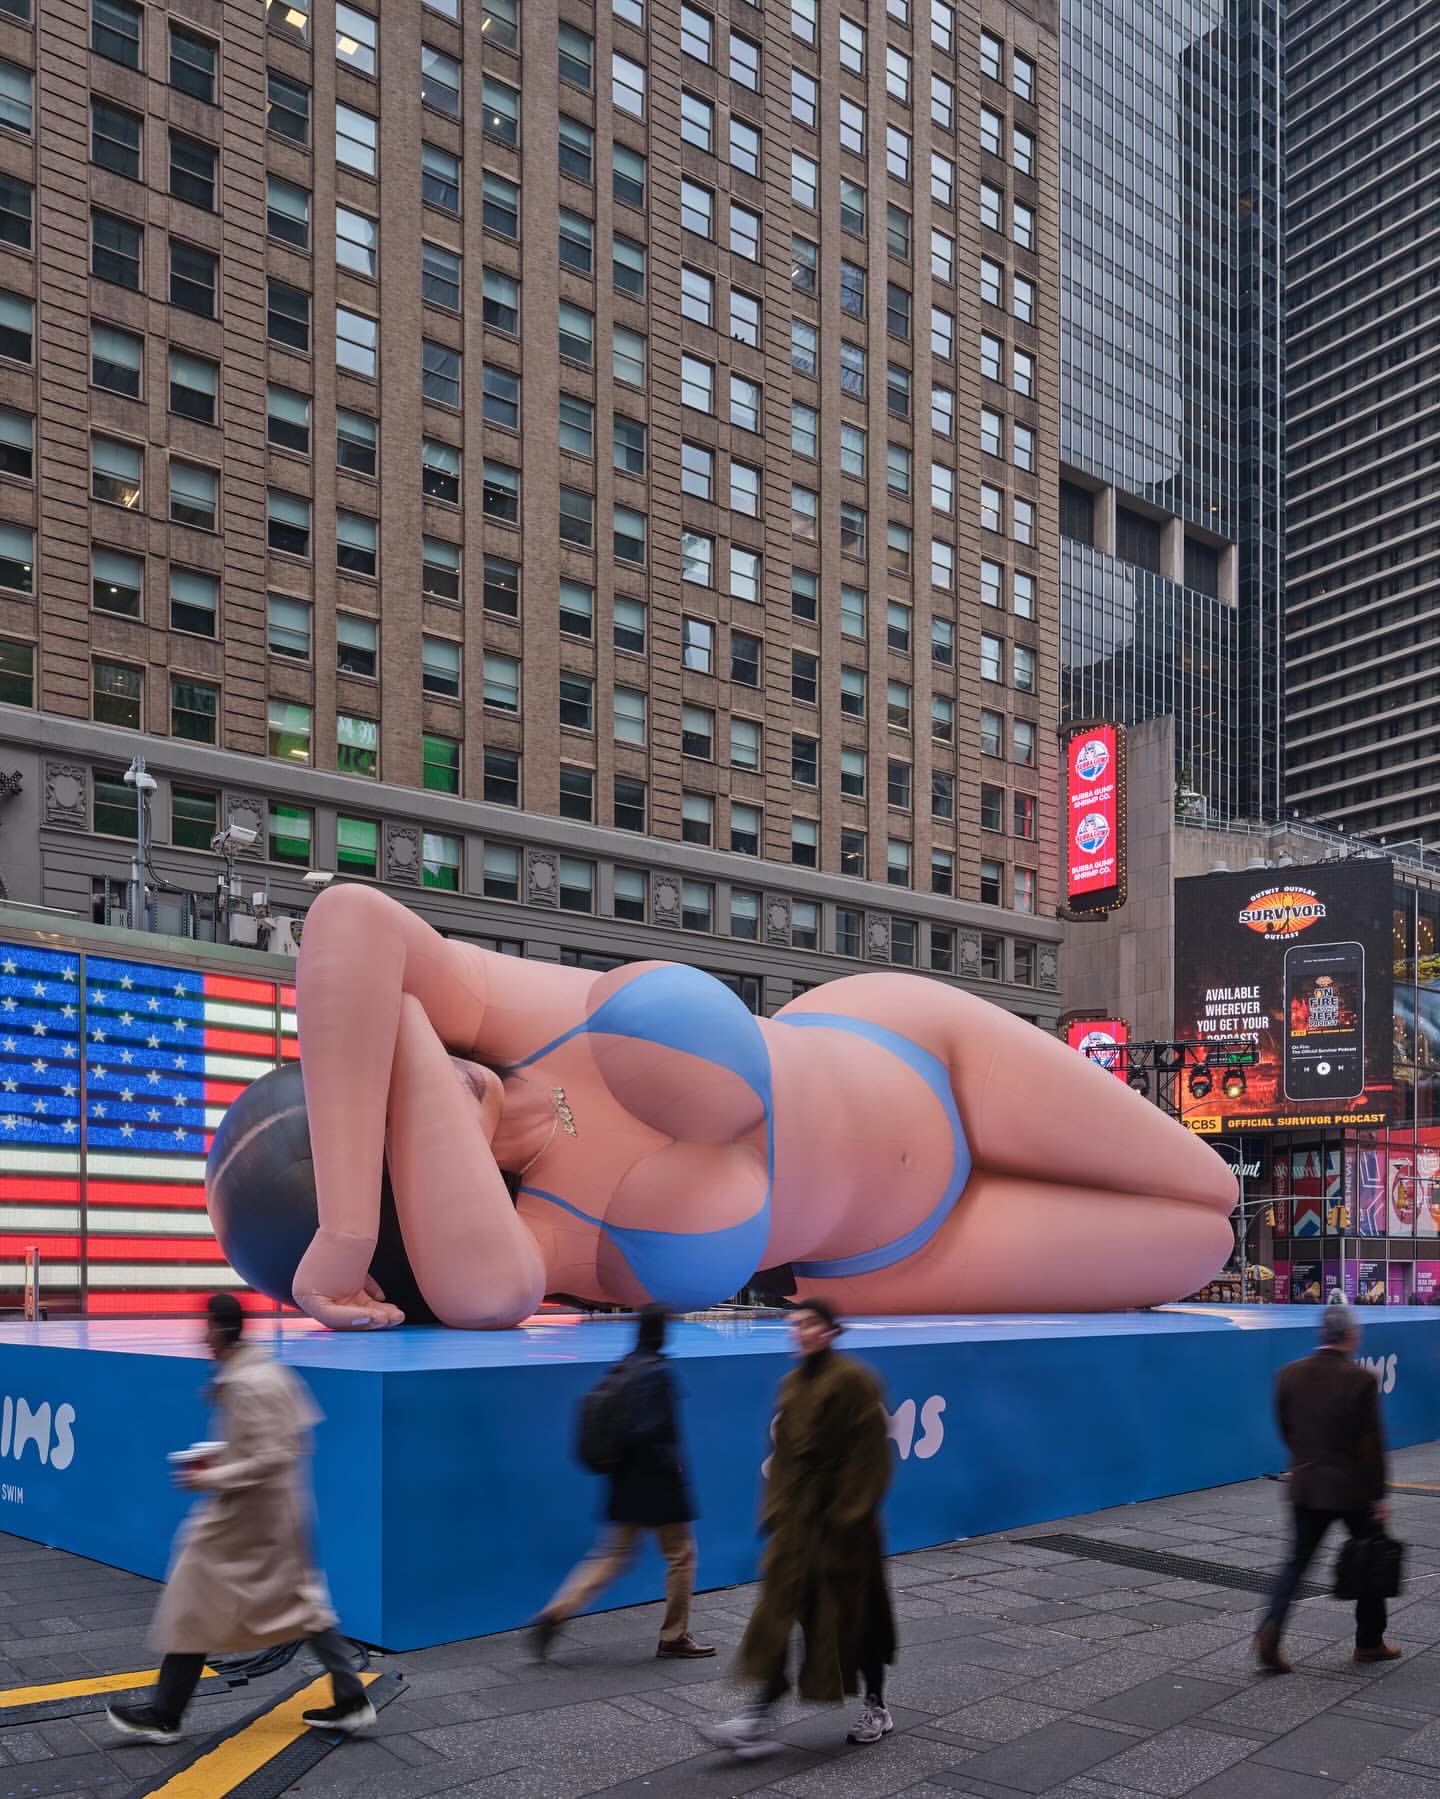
1267 1649
542 1634
683 1649
1382 1652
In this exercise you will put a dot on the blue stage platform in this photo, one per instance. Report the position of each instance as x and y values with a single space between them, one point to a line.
449 1505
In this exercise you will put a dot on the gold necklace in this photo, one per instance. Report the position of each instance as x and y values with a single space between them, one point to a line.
563 1116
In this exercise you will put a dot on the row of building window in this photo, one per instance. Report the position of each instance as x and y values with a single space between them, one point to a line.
116 250
118 587
118 580
356 348
117 33
118 479
118 691
731 911
117 256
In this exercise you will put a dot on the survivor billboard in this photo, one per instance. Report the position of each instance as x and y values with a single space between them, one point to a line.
1296 961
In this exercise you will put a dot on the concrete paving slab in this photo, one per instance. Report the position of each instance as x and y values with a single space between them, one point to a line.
1021 1671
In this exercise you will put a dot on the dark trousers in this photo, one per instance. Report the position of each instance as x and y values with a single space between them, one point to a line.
180 1675
872 1672
876 1648
1309 1532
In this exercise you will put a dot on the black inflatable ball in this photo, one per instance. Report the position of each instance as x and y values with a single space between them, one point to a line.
260 1189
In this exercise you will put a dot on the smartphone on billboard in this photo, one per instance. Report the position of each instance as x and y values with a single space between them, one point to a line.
1324 1021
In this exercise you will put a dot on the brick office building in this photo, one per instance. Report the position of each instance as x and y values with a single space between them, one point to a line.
600 464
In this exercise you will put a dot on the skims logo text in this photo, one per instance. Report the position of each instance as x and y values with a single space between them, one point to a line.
50 1435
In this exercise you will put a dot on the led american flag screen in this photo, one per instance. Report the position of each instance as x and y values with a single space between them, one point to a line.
113 1077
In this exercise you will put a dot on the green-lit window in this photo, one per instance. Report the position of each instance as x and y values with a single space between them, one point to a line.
289 727
442 764
292 831
440 861
357 845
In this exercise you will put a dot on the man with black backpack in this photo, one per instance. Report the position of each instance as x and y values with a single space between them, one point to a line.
628 1432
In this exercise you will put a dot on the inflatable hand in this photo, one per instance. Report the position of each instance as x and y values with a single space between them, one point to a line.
333 1285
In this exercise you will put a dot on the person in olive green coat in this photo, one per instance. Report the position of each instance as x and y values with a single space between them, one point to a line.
824 1567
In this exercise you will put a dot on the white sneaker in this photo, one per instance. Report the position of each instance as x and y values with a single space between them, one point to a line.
359 1714
744 1736
873 1723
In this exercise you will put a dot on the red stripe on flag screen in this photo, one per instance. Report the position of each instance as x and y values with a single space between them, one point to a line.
113 1075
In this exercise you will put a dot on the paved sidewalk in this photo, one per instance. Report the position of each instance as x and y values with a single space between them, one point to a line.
1022 1672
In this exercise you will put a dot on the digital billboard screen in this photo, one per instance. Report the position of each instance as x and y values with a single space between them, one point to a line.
1101 1040
1095 818
1298 963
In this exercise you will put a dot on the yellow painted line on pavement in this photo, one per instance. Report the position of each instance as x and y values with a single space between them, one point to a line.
235 1758
1411 1486
13 1697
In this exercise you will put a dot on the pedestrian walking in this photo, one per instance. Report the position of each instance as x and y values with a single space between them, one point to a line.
824 1568
630 1432
243 1578
1328 1409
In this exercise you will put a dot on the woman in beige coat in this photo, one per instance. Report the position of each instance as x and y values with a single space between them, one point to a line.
242 1578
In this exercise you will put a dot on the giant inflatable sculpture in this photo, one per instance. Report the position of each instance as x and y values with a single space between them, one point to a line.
477 1131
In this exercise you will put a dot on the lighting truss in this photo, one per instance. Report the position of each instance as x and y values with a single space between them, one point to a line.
1161 1068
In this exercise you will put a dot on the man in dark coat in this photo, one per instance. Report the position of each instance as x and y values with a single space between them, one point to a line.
648 1491
825 1564
1328 1410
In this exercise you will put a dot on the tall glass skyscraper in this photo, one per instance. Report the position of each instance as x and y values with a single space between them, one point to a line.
1172 382
1363 647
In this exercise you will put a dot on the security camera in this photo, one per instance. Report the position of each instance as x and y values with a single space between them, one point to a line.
140 781
318 878
234 840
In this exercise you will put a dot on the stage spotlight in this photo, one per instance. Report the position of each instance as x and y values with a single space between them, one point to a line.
1139 1080
1233 1086
1200 1083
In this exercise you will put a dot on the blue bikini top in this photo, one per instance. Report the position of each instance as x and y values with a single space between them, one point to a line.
686 1009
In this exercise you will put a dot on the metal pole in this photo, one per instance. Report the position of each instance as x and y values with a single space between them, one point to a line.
136 896
135 909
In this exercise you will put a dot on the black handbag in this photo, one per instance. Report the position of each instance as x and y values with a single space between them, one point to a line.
1370 1568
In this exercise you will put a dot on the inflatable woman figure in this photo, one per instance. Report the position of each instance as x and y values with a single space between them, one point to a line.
886 1140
